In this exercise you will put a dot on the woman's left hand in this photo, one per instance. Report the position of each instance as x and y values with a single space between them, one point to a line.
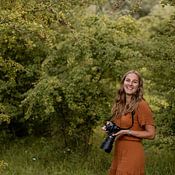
121 132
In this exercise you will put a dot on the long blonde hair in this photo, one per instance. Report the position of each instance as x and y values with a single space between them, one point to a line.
120 107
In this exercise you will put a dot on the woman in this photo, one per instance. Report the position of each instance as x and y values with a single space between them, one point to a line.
128 158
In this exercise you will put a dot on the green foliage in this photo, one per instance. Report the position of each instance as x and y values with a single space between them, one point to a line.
168 2
60 66
161 52
31 34
78 77
160 62
3 165
23 48
135 8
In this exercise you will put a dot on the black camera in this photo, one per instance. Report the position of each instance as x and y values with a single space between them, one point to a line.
111 128
107 144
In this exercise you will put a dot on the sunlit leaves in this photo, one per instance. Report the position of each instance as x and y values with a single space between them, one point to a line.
61 65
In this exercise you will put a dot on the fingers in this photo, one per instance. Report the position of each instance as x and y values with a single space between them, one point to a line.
121 132
104 128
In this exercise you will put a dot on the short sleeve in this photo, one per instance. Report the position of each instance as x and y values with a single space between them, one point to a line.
145 115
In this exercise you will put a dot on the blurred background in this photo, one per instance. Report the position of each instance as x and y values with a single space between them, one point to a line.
61 62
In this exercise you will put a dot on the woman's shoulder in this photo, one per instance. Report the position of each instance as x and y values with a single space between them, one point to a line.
143 104
144 113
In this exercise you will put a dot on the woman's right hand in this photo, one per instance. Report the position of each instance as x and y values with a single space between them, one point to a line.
104 127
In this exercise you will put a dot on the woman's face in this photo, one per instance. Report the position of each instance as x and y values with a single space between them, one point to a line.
131 84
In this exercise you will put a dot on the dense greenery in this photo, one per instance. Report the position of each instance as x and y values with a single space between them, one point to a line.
61 61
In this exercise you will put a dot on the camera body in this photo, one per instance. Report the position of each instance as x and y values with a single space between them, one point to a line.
107 144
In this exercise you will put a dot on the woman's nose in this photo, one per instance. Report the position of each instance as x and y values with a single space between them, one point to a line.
130 83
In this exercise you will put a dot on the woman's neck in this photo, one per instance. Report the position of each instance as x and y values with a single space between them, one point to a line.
128 99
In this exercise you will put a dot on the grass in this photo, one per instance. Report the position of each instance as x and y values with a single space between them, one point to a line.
41 156
160 162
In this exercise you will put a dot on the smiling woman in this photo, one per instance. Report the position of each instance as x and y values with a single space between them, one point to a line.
131 83
128 152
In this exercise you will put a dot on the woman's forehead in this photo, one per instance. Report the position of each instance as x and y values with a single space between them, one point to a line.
132 76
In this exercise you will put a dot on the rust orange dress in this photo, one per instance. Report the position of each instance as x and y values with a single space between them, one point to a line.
128 158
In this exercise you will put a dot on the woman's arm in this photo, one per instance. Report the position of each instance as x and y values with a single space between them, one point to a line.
148 133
